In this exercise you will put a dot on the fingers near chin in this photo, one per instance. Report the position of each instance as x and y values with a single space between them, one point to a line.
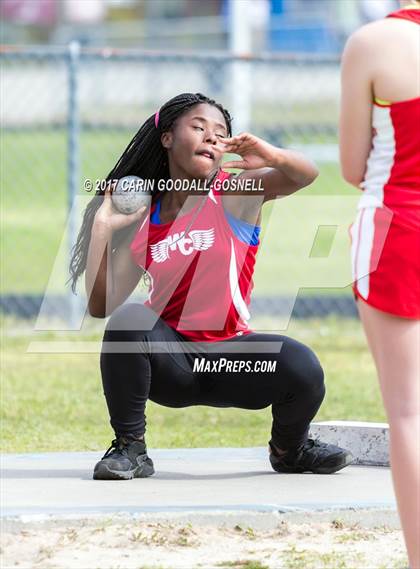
232 165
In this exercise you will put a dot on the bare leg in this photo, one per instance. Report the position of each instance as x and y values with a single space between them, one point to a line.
395 345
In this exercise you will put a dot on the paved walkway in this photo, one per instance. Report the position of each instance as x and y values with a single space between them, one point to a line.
186 480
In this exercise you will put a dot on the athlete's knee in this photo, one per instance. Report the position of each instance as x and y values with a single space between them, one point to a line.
403 411
131 320
304 367
312 373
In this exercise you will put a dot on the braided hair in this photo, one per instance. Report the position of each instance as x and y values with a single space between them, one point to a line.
144 157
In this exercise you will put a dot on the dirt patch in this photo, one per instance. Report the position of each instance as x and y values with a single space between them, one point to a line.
112 544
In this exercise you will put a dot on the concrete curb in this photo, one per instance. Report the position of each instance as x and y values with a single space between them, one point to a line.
368 442
364 517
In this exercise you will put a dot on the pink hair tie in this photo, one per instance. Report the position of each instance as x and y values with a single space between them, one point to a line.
156 118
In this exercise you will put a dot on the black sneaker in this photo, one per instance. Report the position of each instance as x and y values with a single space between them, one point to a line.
313 456
125 459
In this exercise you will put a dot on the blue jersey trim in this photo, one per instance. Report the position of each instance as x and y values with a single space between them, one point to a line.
244 231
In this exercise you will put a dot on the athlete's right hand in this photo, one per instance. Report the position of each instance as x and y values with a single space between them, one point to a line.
108 218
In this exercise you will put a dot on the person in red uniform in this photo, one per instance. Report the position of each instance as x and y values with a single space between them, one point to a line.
380 154
190 343
181 276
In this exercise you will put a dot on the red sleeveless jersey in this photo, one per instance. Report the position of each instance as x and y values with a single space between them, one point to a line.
412 14
392 177
386 233
201 273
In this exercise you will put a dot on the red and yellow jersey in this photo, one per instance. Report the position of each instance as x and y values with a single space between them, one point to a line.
386 233
392 177
411 14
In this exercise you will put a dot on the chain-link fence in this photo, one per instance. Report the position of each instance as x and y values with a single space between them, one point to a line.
67 114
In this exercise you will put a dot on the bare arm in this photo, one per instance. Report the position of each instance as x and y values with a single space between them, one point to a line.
281 172
110 276
290 172
356 107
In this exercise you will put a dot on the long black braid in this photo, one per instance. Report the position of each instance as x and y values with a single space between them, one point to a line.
144 157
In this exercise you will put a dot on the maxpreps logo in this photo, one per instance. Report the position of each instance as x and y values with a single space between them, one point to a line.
197 240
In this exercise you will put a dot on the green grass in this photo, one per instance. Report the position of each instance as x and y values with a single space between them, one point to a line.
34 199
55 401
296 558
242 564
33 215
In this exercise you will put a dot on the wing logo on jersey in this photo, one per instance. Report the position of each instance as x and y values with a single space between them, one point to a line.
197 240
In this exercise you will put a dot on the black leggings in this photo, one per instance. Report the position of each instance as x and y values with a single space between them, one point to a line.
142 359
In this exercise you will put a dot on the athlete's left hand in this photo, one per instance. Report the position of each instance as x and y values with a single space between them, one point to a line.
255 152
